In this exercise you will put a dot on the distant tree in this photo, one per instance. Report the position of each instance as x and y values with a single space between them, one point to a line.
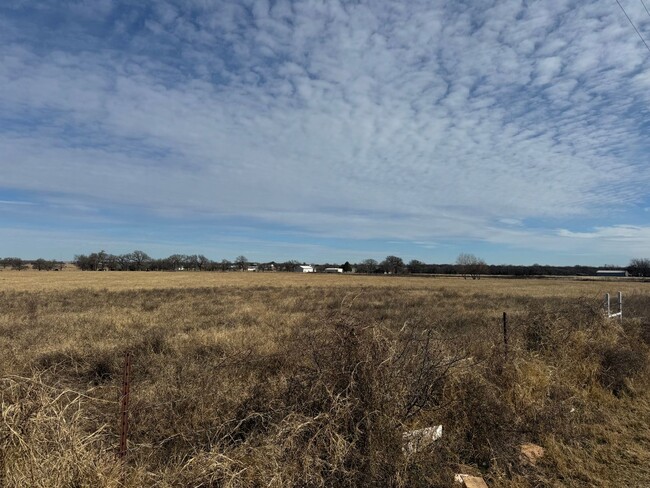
241 262
469 264
140 260
100 259
415 266
289 265
192 262
367 266
112 262
122 262
82 262
225 265
17 264
44 265
93 262
175 262
347 267
202 262
270 266
639 267
393 265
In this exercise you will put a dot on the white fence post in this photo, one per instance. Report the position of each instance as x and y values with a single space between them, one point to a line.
618 314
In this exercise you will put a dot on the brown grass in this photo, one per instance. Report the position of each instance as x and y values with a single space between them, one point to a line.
289 380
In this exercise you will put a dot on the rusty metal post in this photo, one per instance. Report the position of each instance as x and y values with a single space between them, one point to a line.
505 334
124 406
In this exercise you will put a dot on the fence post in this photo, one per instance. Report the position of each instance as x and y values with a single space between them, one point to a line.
505 334
124 407
618 314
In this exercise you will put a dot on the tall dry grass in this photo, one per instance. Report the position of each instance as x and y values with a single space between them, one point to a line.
311 382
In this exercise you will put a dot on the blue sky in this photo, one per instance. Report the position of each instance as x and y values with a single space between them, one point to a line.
324 131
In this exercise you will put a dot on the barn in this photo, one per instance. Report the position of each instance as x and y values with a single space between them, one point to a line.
333 270
304 268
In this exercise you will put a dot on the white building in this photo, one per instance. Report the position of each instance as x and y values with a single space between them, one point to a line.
304 268
611 272
333 270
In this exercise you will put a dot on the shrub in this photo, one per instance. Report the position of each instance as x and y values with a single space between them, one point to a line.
620 363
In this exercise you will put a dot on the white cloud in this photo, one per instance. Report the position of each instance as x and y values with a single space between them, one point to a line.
615 233
406 120
514 222
15 202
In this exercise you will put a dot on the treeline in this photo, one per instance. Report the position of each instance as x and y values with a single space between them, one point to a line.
39 264
466 265
141 261
514 270
470 266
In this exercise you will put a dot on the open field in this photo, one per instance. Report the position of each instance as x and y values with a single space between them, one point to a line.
71 278
244 379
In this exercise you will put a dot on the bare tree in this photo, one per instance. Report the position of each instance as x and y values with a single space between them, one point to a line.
289 265
415 266
17 264
241 262
470 265
43 264
639 267
393 265
202 262
367 266
140 259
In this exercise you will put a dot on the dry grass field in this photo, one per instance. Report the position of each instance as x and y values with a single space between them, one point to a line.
281 380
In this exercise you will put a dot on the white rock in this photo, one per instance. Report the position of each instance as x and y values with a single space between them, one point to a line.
469 481
416 440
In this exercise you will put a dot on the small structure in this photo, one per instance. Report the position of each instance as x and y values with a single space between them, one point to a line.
251 268
608 307
333 270
304 268
612 272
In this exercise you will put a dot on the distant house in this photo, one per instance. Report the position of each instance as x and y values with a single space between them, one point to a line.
251 268
333 270
303 268
611 272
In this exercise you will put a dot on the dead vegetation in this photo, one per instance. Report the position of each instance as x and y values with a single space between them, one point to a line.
312 384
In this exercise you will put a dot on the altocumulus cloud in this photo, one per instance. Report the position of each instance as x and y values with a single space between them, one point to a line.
375 120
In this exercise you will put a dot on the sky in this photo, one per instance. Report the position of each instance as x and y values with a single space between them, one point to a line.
518 131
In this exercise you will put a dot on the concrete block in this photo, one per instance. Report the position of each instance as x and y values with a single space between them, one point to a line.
469 481
531 453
